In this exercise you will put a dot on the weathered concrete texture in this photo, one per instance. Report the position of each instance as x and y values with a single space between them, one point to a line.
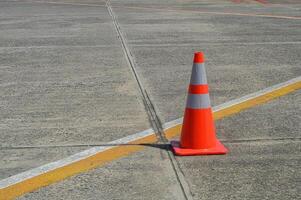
73 25
143 175
64 81
264 157
171 28
256 170
81 2
67 95
243 54
220 7
278 119
17 160
31 8
283 2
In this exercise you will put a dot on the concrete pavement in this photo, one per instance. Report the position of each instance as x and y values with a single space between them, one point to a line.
244 54
264 156
65 81
263 162
65 84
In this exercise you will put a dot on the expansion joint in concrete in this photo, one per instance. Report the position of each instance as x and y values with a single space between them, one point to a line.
150 108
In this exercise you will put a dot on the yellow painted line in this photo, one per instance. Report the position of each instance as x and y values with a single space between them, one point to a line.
257 100
238 105
31 180
80 166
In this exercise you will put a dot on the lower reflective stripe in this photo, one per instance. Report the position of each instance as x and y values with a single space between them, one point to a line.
196 101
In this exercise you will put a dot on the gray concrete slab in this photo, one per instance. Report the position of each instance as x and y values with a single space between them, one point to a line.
47 25
263 7
67 95
264 157
32 8
17 160
278 119
81 2
63 81
172 28
243 54
143 175
259 170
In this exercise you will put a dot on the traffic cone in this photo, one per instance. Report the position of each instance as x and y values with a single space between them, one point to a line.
198 131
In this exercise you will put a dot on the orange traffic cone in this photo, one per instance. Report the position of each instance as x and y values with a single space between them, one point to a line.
198 131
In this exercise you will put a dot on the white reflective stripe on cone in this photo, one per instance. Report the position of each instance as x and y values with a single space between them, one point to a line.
197 101
198 74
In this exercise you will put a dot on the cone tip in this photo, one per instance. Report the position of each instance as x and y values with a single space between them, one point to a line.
199 57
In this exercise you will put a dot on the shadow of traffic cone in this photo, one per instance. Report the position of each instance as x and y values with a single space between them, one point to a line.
198 131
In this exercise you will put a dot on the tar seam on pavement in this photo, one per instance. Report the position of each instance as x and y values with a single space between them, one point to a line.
150 109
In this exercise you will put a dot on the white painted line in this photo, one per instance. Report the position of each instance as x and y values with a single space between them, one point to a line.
238 101
256 94
71 159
